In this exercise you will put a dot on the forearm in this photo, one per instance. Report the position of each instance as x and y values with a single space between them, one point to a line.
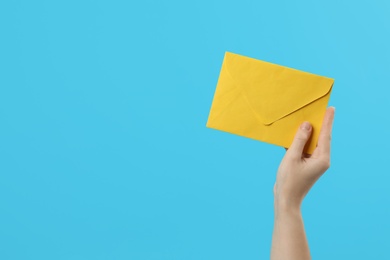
289 239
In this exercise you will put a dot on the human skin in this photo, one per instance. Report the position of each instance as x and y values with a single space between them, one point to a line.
297 173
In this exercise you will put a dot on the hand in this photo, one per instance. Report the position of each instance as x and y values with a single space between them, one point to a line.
296 175
298 172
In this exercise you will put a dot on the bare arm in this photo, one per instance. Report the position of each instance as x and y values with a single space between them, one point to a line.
297 173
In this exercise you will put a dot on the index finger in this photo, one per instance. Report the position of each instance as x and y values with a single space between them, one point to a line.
324 138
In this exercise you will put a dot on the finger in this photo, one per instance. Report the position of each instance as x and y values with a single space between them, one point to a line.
324 138
300 139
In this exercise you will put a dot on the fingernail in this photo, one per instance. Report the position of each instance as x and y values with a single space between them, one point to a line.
306 126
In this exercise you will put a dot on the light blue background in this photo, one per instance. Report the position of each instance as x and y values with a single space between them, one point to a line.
104 153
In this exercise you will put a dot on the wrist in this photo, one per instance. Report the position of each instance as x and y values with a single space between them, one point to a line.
287 205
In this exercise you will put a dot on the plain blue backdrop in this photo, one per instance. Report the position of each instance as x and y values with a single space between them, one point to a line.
104 153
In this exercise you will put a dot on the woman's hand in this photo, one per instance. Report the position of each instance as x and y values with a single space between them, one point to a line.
298 172
296 175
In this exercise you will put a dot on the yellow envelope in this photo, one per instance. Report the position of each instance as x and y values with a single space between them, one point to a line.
268 102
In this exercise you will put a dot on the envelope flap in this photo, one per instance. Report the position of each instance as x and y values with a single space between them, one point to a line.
274 91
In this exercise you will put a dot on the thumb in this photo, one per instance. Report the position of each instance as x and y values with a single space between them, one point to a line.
300 139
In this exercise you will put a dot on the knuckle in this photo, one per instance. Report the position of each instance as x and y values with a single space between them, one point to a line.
302 137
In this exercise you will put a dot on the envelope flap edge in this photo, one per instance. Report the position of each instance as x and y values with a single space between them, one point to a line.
274 91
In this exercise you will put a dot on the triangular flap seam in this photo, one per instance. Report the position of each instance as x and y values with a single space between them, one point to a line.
269 122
